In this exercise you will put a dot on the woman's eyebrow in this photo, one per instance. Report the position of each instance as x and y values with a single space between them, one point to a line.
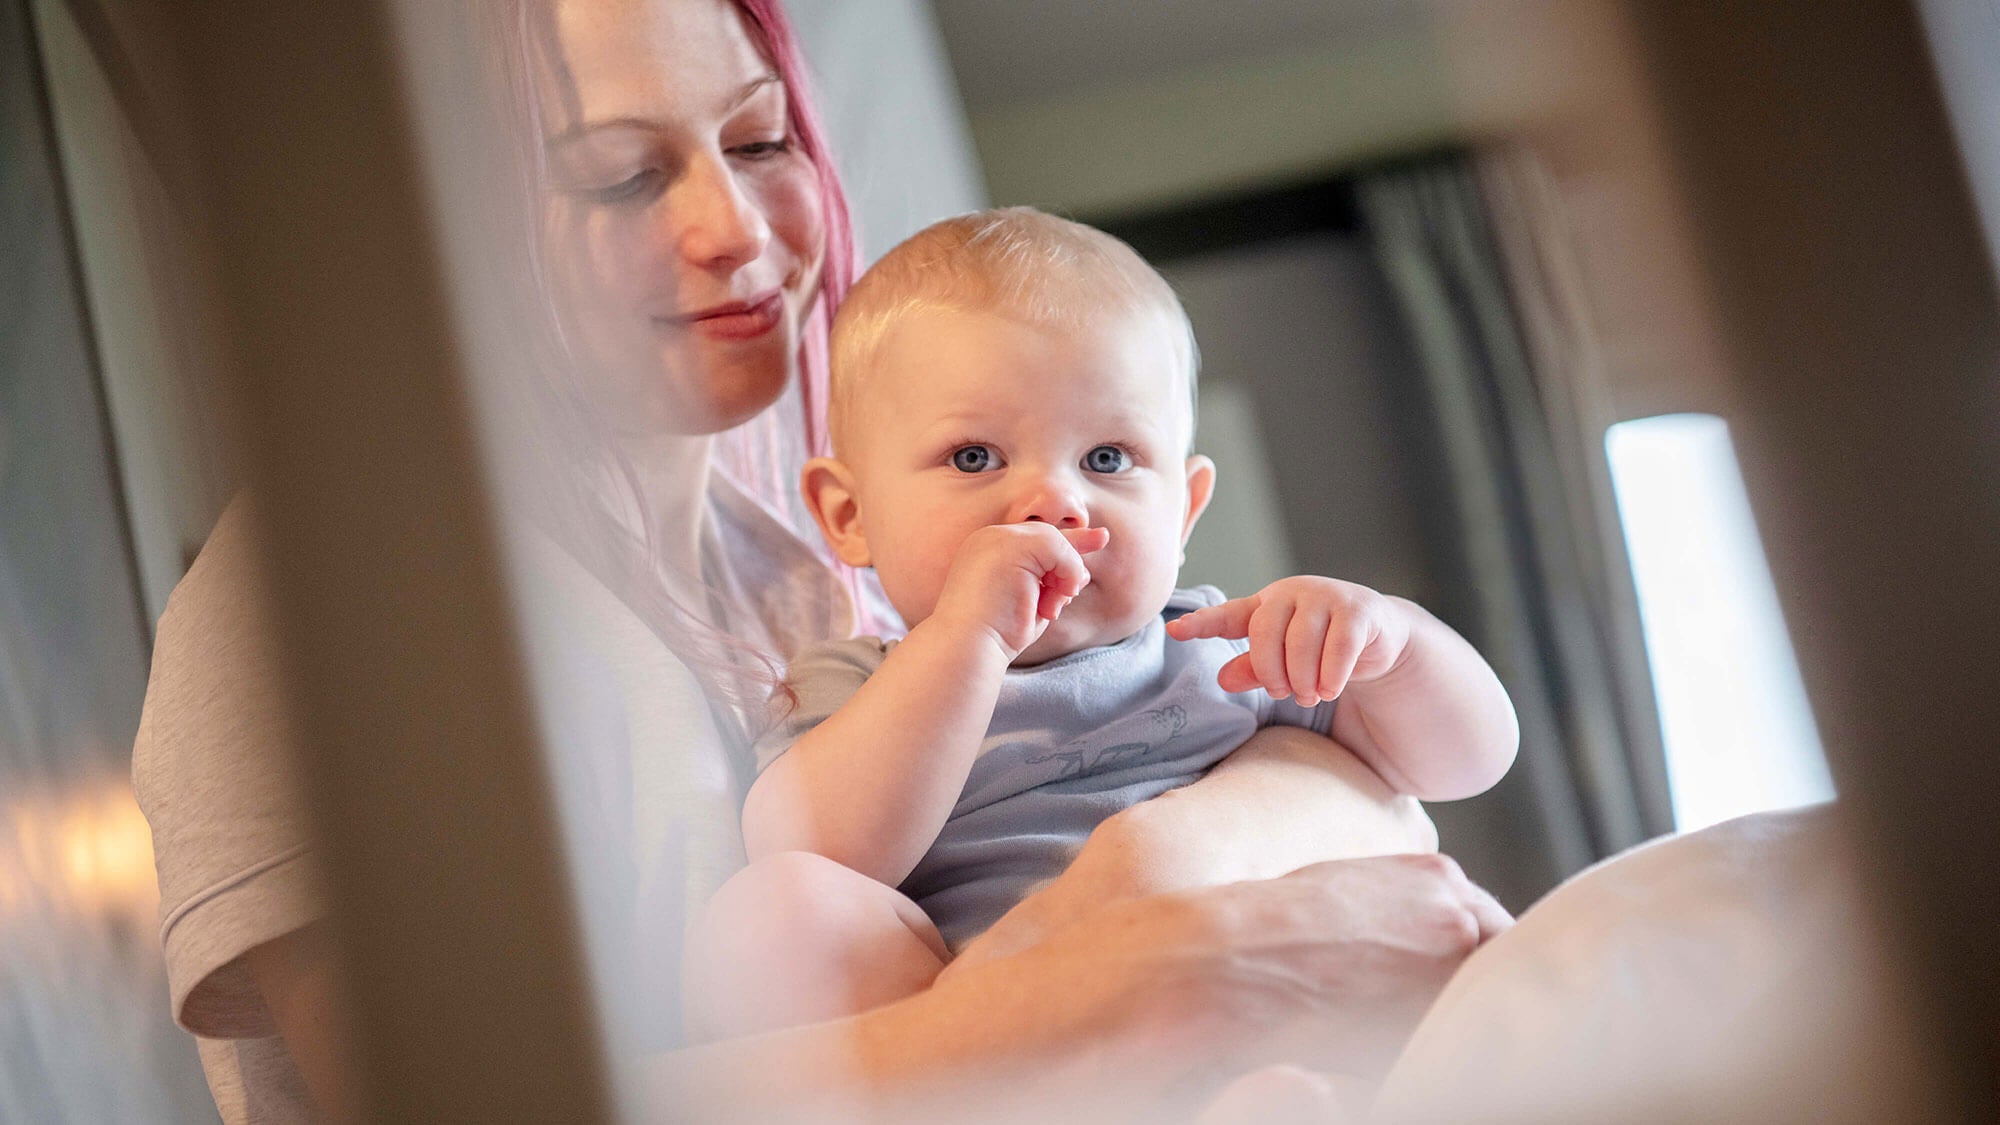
750 88
584 128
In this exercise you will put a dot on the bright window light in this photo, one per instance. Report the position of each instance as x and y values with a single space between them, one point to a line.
1739 735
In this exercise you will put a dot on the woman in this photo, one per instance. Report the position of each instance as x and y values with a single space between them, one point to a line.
691 237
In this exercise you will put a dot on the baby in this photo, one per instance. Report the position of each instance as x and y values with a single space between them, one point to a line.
1012 411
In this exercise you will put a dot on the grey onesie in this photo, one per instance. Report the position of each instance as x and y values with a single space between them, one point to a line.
1072 741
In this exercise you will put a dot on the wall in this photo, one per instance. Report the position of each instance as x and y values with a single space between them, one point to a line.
1089 109
898 130
136 240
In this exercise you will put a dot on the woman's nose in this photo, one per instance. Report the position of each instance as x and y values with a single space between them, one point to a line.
715 225
1052 503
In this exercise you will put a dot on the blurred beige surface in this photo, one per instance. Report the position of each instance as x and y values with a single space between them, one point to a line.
1725 975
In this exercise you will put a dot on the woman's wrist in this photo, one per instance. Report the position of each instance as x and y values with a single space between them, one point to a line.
1118 1013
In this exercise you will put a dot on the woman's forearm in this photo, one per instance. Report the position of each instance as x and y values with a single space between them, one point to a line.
1135 1009
1285 799
297 977
933 1056
1282 800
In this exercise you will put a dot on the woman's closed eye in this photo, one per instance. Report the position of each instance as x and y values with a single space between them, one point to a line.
974 459
762 150
1107 459
638 185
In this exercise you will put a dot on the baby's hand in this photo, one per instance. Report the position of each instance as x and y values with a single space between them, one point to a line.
1010 580
1309 637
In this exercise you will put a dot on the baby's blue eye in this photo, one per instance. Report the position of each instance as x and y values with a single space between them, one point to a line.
1107 459
974 459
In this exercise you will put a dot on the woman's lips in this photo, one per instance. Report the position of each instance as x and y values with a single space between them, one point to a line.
740 321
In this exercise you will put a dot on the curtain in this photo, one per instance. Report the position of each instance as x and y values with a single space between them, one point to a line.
1474 254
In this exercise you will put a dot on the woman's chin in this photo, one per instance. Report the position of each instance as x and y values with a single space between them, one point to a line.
740 384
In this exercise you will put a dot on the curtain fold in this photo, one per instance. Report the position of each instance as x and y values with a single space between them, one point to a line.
1528 540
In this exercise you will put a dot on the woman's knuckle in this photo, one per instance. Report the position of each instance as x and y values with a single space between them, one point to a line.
1460 930
1435 864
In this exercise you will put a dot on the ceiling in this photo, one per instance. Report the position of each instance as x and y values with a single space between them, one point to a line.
1005 52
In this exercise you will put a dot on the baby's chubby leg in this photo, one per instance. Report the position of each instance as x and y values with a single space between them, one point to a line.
795 938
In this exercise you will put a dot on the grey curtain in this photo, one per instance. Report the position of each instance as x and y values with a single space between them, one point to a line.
1528 540
85 1034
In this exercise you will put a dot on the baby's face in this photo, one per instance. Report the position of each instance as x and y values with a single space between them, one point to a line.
969 419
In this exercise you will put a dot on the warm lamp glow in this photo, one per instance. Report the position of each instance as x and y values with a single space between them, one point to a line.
85 852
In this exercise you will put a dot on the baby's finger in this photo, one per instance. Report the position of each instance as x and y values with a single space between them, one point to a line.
1344 645
1305 640
1056 562
1267 646
1087 539
1237 674
1231 619
1049 604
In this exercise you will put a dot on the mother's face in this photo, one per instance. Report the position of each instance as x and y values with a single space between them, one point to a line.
685 227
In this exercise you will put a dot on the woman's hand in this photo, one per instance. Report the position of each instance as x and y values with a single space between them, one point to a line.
1144 1008
1284 799
1328 968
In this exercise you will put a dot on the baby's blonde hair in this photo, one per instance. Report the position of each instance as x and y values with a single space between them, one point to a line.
1015 261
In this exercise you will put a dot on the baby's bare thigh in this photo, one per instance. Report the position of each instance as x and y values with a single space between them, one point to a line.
796 938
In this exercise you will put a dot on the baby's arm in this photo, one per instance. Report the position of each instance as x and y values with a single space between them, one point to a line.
1418 703
871 787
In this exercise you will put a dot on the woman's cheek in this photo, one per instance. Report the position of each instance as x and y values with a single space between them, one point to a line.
790 199
622 261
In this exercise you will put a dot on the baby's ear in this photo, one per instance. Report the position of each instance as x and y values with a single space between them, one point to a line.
1200 490
829 490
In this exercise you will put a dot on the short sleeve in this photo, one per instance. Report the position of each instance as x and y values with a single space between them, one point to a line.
820 679
213 772
1288 713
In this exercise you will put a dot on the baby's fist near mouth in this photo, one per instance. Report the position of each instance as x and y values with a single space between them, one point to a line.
1010 580
1085 540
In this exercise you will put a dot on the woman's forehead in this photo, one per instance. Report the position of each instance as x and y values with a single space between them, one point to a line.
654 60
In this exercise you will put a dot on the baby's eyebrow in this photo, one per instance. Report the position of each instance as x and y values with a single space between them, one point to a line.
958 421
1142 424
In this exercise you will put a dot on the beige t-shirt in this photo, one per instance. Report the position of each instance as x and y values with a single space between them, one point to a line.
640 764
212 773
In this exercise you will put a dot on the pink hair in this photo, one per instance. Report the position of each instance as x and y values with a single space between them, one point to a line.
764 456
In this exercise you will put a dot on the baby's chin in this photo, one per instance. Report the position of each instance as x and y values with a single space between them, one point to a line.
1072 634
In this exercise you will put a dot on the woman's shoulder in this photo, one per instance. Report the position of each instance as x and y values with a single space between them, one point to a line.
225 583
212 685
788 589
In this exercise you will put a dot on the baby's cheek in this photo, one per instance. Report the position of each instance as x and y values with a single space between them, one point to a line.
1126 599
922 583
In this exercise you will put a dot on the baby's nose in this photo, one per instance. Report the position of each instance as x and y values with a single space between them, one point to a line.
1058 506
